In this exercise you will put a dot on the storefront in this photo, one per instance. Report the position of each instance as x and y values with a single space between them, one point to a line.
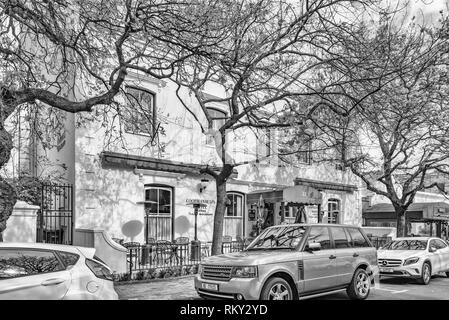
283 205
422 219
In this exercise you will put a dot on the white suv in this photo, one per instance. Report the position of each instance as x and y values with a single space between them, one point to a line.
41 271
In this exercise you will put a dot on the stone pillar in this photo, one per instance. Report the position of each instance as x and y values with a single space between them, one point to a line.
21 225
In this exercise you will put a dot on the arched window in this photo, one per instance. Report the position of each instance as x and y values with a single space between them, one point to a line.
233 223
158 212
333 211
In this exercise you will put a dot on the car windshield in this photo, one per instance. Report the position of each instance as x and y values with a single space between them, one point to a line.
282 237
406 245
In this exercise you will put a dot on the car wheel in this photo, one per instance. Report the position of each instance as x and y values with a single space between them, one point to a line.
360 285
276 289
447 274
426 273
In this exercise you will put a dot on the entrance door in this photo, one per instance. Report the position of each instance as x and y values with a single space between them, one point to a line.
319 266
233 220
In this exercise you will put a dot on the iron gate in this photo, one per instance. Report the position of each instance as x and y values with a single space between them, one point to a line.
55 218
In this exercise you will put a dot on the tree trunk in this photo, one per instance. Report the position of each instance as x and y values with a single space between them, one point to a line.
217 236
8 195
400 222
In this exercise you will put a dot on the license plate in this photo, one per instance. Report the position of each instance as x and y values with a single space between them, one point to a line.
386 270
210 286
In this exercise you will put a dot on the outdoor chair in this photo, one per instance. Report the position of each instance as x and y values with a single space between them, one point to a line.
165 251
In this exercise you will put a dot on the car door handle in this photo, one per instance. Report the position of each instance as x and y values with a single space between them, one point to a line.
52 282
355 255
332 257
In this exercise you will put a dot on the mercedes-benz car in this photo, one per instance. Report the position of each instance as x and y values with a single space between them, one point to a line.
293 261
40 271
414 257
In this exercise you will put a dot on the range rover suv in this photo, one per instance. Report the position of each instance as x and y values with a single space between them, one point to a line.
293 261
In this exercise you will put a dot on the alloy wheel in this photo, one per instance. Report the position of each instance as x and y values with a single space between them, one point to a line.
426 272
362 284
279 292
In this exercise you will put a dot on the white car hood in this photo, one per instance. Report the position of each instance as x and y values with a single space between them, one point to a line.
399 254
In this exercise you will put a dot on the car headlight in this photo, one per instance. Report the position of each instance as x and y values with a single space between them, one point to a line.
244 272
410 261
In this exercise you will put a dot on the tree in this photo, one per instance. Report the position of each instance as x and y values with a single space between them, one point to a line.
274 55
397 136
73 55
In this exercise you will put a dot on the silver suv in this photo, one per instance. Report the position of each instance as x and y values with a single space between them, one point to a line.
293 261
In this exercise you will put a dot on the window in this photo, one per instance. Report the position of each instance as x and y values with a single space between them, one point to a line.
333 210
158 212
218 120
235 208
440 244
357 238
68 258
233 223
18 263
140 114
340 238
320 235
263 143
304 154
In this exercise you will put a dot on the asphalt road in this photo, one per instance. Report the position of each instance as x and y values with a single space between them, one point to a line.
388 289
404 289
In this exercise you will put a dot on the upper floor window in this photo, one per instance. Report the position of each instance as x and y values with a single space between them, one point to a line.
218 120
264 143
140 114
304 154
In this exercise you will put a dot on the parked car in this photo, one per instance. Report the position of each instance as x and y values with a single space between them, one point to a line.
293 261
49 272
414 257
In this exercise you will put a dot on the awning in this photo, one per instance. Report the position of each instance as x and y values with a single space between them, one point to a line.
113 159
293 195
418 210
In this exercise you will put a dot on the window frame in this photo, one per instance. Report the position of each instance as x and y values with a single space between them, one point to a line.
306 238
347 236
210 140
243 216
331 201
153 112
61 262
172 206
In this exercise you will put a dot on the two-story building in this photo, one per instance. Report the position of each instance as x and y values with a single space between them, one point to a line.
136 170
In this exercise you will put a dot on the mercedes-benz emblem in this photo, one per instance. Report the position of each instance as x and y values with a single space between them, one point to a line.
384 263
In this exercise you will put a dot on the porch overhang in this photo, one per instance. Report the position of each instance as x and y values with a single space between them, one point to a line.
292 195
114 159
324 185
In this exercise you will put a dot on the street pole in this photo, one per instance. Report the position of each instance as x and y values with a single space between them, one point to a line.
196 219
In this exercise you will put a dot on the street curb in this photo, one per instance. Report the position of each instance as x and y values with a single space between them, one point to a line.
152 280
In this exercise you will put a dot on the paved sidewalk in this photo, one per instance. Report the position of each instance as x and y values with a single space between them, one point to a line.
162 289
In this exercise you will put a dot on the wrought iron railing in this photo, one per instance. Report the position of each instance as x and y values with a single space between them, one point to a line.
163 255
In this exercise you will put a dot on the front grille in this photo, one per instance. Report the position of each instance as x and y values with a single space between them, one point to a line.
389 262
220 273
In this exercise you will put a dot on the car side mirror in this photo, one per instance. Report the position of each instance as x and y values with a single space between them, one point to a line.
432 249
313 246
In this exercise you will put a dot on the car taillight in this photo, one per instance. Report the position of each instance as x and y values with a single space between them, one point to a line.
99 270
